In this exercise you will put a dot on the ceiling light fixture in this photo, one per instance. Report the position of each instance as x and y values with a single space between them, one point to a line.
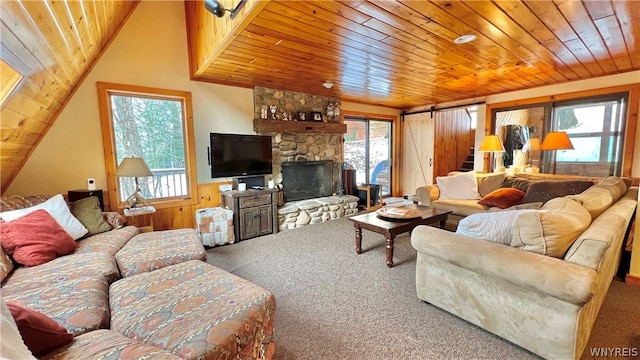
217 9
463 39
328 84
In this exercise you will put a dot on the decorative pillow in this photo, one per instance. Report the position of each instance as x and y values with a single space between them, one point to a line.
493 226
6 265
58 209
545 190
489 182
553 231
502 198
41 334
13 346
462 186
88 212
35 239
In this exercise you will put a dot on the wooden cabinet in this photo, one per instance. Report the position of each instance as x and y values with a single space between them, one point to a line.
254 212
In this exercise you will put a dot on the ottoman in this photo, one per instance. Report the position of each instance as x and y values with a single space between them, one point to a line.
154 250
195 310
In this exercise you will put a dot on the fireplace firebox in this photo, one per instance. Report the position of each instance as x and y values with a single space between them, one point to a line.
303 180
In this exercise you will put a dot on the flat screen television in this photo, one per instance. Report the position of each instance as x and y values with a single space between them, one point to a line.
240 155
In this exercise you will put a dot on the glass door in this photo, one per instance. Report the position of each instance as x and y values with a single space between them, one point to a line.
367 149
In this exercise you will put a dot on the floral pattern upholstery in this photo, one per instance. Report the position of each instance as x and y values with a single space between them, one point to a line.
56 270
110 242
107 344
195 310
78 303
15 202
156 250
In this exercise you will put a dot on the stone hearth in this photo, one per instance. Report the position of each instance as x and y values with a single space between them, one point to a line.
297 214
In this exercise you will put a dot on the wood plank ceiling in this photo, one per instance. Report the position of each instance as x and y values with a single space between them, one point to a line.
392 53
401 53
53 45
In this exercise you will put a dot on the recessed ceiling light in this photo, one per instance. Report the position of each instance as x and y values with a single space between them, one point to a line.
463 39
327 84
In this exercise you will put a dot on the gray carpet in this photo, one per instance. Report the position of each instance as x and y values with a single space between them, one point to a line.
335 304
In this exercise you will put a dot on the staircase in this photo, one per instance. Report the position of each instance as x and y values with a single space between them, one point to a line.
467 165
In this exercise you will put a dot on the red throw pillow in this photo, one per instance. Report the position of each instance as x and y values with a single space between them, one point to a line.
502 198
35 239
41 334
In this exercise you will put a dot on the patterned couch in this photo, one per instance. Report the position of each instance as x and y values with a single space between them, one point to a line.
122 294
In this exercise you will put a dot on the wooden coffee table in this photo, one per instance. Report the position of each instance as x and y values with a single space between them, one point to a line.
392 227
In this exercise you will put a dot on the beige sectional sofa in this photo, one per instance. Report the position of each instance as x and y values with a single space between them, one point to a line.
542 290
122 294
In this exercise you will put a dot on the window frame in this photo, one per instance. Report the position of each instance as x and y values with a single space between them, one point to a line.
632 90
105 90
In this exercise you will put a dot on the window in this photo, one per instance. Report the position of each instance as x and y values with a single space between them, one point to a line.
367 148
156 125
9 80
596 130
595 121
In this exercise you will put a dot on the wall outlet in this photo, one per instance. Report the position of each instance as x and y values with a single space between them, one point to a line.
226 187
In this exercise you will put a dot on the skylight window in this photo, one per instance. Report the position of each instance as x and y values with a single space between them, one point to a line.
9 80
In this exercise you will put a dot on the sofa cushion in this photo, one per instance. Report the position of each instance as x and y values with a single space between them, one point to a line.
35 238
459 186
489 182
58 209
588 253
195 310
79 303
595 199
615 185
545 190
502 198
40 334
89 264
108 344
495 226
551 231
155 250
109 242
518 183
88 212
459 207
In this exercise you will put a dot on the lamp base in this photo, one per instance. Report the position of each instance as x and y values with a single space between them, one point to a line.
136 200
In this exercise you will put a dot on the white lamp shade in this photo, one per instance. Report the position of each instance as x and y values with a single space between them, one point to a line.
133 167
491 143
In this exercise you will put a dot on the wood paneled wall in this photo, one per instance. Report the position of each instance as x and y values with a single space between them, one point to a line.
53 44
184 216
454 140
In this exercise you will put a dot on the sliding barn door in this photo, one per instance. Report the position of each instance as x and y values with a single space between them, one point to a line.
417 147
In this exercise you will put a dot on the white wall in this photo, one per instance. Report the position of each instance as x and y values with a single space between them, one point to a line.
150 50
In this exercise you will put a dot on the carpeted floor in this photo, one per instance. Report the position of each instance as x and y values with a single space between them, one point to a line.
335 304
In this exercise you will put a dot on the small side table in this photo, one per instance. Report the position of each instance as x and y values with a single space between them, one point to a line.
142 217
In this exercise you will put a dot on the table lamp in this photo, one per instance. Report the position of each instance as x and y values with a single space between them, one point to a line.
492 143
556 140
134 167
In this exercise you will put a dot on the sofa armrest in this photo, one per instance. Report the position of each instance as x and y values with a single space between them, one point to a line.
426 194
554 277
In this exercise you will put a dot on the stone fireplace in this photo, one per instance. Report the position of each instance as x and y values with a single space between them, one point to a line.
302 180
